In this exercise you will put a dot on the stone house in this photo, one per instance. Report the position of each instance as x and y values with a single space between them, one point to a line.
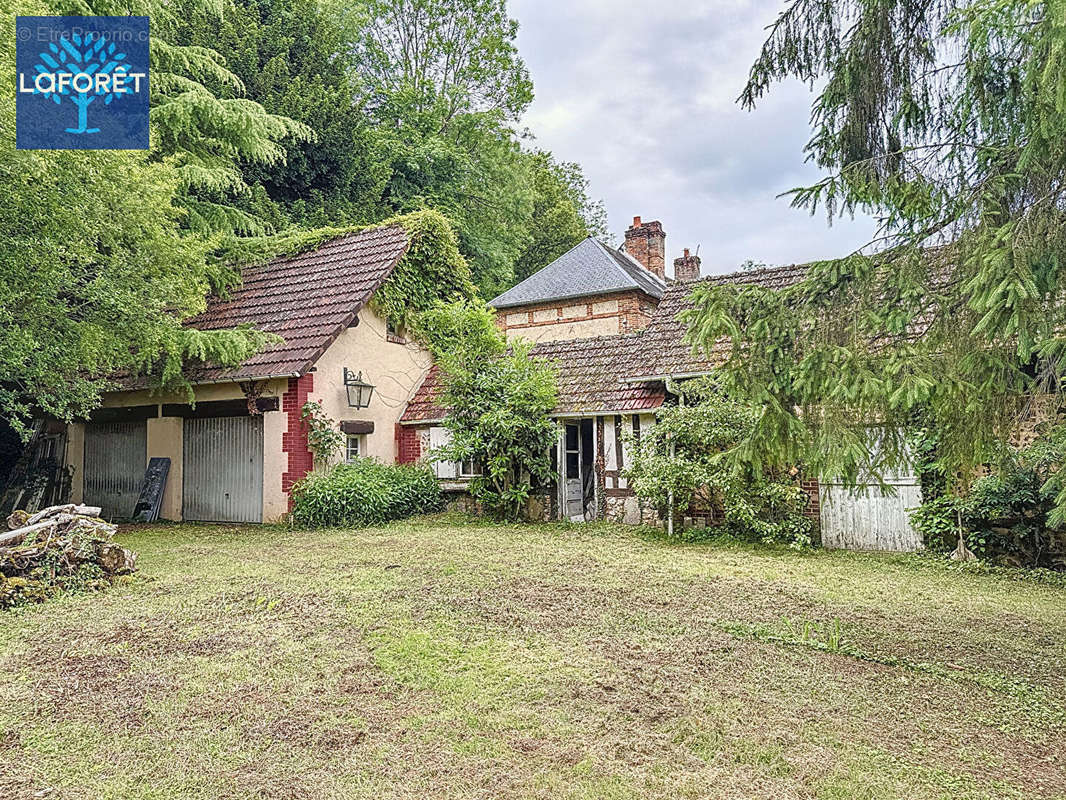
236 453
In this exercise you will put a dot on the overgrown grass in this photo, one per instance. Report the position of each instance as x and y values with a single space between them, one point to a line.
444 658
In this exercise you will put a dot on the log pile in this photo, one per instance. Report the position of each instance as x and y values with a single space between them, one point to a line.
61 547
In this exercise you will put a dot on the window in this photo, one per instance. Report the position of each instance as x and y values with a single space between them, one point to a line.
394 334
469 468
352 449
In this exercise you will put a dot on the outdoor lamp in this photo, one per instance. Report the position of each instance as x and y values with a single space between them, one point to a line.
359 391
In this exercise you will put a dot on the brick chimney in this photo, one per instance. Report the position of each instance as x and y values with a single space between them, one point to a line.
646 242
687 268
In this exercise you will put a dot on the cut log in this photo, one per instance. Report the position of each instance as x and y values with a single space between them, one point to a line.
114 559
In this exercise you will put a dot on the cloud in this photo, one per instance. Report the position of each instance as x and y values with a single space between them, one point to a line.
643 96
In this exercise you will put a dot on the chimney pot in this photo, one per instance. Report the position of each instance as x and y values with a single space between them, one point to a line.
636 222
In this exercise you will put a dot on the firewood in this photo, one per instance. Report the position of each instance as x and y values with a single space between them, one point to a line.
17 535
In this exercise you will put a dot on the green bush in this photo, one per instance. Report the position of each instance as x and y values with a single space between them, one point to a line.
685 456
365 492
1007 517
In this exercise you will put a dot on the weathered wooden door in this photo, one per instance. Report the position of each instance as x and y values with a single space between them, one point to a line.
869 518
575 499
116 454
223 469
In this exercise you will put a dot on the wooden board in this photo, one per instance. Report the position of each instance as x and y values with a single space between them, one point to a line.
151 497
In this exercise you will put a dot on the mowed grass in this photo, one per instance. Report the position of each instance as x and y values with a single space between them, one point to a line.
447 658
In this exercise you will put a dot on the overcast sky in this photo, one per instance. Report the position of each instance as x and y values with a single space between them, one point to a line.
642 95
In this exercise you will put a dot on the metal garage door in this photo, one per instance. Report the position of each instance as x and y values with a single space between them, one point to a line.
223 469
115 458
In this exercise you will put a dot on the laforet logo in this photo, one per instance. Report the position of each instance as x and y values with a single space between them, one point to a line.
82 83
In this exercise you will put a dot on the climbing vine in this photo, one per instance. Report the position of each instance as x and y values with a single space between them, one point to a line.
324 440
430 270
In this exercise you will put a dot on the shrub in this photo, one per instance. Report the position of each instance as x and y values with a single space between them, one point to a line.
498 398
685 455
1007 516
365 492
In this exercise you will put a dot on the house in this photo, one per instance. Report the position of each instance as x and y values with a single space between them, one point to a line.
595 409
591 290
236 452
606 319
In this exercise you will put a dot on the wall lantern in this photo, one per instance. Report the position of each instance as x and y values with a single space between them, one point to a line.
359 391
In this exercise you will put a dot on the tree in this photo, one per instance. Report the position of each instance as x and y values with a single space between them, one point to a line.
87 291
294 59
562 214
946 120
683 459
498 399
200 123
450 57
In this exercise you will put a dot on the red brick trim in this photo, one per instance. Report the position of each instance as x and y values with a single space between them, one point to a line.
408 444
294 439
813 510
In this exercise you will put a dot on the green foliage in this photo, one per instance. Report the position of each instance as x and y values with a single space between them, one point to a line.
683 459
201 123
292 57
431 270
86 291
1007 516
947 122
365 492
498 400
323 439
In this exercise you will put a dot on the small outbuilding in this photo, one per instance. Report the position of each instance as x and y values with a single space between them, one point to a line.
237 449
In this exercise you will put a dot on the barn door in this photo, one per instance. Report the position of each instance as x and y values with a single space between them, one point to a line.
223 469
116 454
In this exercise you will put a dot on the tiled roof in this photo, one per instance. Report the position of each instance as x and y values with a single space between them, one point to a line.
589 268
663 350
307 299
590 375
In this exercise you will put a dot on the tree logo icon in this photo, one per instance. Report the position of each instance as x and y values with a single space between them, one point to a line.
91 59
94 63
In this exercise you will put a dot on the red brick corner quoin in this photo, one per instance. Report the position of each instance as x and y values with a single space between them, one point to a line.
294 440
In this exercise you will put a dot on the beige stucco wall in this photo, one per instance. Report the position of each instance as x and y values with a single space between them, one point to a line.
164 437
395 369
275 463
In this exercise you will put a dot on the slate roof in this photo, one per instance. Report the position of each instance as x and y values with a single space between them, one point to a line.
663 350
588 268
308 299
590 375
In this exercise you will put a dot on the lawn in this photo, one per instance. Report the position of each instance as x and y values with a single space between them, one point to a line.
445 658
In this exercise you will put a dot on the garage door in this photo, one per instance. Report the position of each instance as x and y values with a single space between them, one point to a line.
115 458
223 469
